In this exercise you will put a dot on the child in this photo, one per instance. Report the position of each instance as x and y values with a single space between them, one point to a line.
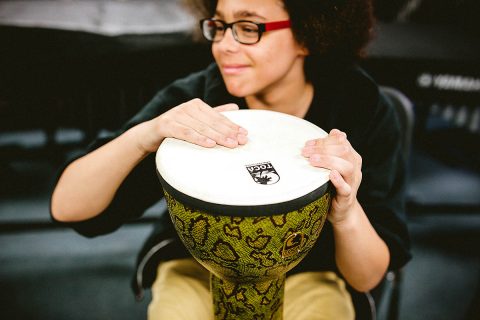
291 56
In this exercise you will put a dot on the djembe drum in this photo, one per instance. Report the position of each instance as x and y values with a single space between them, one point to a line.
248 214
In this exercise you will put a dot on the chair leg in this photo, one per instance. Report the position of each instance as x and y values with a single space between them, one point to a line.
394 308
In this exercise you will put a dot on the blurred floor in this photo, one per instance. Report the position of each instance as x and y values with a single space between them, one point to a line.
56 274
441 280
53 273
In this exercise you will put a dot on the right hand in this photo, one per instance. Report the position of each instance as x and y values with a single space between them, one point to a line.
193 121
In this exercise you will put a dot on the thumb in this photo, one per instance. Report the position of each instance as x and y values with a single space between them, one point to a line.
226 107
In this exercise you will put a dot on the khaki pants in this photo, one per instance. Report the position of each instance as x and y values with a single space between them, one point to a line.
181 291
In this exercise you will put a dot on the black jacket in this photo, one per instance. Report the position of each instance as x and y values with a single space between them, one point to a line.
345 98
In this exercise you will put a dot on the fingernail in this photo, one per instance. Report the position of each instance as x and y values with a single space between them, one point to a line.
242 131
231 141
210 142
315 158
310 143
242 139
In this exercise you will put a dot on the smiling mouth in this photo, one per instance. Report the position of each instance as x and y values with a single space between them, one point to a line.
233 69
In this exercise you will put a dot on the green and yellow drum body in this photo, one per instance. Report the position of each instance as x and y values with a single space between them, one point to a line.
250 214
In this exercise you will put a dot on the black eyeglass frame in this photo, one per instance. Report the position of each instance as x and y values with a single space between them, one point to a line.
262 27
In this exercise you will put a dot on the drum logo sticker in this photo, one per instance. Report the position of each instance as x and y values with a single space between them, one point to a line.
263 173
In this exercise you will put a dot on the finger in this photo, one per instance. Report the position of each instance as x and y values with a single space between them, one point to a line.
334 136
242 132
230 107
208 132
328 140
188 134
226 107
217 121
331 149
344 167
210 123
334 144
342 188
337 133
242 139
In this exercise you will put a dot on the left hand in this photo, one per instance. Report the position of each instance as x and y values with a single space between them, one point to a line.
335 152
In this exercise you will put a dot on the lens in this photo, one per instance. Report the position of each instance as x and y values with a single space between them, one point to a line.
246 32
212 30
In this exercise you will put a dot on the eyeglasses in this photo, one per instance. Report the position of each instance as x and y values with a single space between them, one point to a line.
245 32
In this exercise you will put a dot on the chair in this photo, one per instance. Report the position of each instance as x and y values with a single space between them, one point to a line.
382 302
404 107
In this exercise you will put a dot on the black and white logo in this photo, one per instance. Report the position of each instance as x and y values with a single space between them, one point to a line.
263 173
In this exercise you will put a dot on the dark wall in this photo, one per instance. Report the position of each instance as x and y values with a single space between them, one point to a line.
53 78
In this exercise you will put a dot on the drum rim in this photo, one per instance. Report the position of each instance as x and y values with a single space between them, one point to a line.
247 210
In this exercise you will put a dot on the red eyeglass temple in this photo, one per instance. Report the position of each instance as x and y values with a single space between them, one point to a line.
277 25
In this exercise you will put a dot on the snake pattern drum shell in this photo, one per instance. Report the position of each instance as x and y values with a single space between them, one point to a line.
240 250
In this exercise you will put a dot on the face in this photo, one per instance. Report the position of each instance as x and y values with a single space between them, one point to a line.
262 68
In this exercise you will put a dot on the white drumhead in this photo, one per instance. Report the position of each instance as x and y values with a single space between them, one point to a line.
268 169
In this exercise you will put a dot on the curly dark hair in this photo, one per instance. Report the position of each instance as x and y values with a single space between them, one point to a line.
337 29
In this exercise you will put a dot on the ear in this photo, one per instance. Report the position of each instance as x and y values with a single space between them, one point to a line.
303 50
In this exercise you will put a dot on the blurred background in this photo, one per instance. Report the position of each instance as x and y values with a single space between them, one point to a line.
71 70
